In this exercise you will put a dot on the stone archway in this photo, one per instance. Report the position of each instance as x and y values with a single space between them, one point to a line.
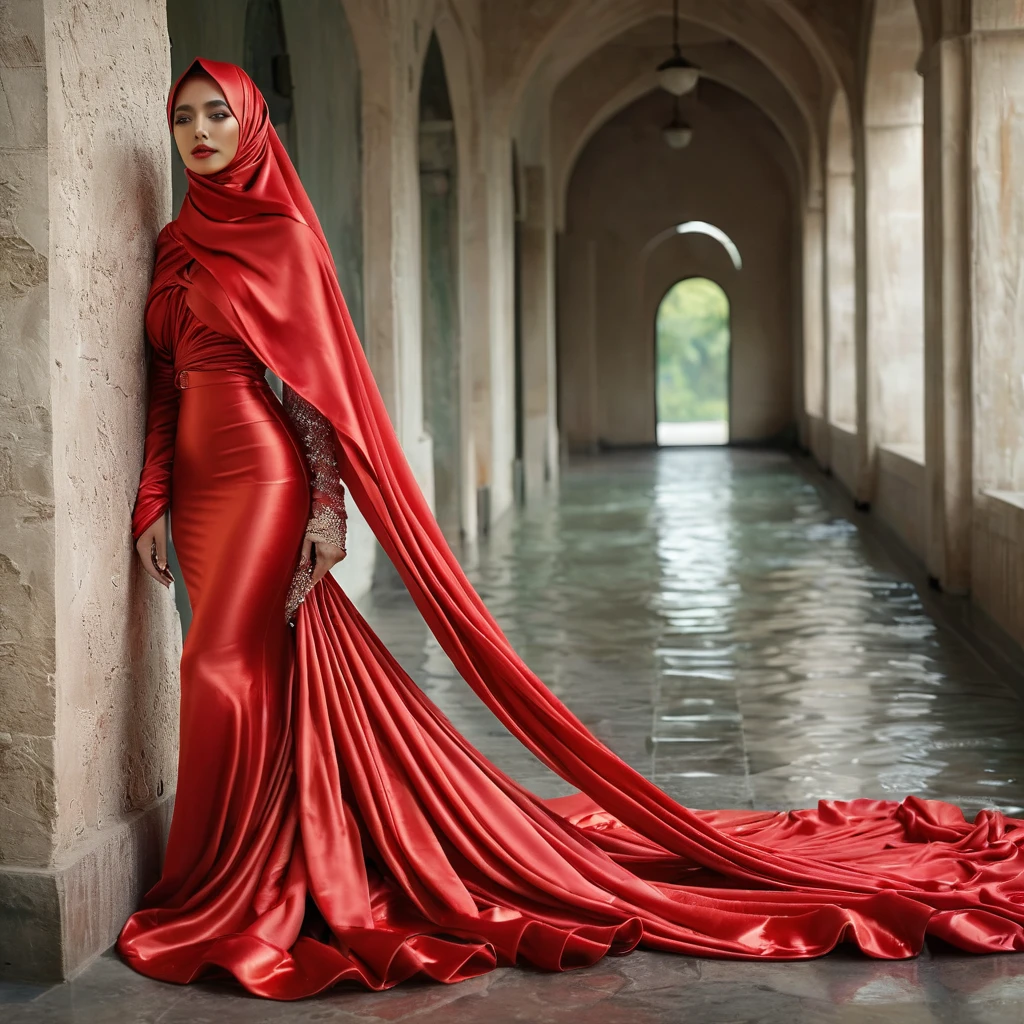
692 335
622 251
483 467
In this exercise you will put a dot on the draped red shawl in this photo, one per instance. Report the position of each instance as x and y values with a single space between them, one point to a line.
270 272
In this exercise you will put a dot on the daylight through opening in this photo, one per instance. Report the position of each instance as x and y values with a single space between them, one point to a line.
693 337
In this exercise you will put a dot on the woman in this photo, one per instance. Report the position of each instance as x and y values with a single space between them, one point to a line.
330 824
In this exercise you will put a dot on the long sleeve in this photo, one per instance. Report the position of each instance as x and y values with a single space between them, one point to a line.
154 494
328 519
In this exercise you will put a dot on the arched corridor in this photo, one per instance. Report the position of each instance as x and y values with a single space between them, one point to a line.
561 274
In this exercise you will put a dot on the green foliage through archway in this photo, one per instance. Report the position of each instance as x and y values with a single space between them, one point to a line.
693 353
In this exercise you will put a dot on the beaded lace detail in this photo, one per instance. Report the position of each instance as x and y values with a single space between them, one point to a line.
328 520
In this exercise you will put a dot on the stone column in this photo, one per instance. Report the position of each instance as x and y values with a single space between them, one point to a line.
866 440
496 493
475 365
577 347
946 71
540 438
442 356
894 278
841 295
815 356
90 643
997 238
997 310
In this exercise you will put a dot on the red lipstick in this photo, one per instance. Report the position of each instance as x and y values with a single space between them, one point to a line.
201 152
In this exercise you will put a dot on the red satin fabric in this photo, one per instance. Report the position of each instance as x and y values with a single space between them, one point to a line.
179 338
330 823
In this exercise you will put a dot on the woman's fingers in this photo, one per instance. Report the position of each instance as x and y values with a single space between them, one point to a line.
146 547
152 549
307 549
327 555
160 549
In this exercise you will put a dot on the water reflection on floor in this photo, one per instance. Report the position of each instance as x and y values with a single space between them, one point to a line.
712 620
708 616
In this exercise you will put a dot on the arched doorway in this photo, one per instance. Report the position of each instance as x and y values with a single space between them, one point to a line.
692 359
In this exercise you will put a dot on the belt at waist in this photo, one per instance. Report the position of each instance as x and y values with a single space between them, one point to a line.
199 378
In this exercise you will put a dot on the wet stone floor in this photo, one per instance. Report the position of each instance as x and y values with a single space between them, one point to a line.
717 618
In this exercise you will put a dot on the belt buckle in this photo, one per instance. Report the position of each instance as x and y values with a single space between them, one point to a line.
183 378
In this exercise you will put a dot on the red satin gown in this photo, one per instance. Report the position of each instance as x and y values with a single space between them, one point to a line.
330 824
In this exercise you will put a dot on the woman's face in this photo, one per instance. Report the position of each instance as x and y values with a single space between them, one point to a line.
205 130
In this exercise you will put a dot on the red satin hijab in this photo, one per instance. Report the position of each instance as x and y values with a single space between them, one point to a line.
268 270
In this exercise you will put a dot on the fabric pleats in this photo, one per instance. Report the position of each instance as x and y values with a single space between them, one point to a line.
388 847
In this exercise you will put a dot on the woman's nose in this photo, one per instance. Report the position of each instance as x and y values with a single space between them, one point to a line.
200 130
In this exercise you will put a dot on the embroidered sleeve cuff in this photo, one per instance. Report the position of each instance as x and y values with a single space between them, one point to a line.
326 524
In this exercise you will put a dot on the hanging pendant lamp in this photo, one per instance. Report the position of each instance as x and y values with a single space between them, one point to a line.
677 75
677 133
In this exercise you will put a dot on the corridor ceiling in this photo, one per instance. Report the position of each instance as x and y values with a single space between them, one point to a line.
563 68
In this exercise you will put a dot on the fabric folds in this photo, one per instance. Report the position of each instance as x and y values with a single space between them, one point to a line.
420 857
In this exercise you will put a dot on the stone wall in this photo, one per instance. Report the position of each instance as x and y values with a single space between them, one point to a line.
997 311
997 563
900 495
948 483
28 799
843 456
88 756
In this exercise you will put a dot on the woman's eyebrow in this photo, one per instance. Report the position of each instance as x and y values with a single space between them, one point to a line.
189 109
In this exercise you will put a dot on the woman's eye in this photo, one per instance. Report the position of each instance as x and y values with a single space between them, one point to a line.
181 120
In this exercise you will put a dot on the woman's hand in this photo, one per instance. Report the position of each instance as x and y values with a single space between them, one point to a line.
327 555
152 549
